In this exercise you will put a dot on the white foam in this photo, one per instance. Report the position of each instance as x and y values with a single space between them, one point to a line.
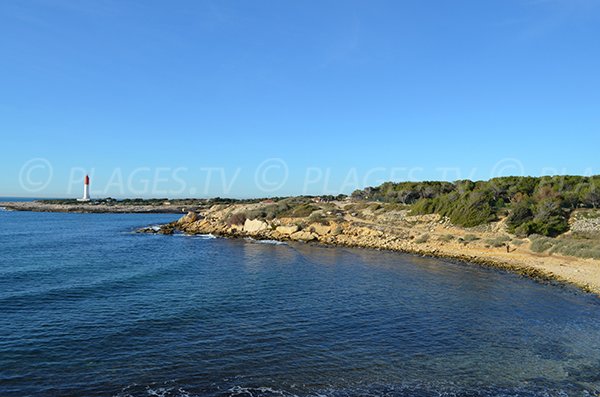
209 236
272 242
249 391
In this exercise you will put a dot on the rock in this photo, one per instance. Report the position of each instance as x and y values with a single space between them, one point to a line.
291 229
255 225
303 236
321 230
337 230
188 218
167 229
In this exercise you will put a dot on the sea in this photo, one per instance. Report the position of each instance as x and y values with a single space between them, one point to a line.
88 307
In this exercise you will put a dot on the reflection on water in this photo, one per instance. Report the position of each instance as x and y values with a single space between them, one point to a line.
138 315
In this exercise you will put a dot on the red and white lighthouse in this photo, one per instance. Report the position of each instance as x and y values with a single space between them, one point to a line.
86 189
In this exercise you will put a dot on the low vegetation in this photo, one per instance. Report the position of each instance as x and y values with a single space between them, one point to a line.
500 241
422 239
531 205
566 245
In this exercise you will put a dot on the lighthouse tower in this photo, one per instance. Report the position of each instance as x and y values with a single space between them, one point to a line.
86 190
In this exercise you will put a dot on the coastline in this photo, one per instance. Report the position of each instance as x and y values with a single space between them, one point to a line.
403 233
581 273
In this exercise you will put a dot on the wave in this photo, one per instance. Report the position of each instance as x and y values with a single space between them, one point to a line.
258 391
196 236
209 236
157 391
170 389
272 242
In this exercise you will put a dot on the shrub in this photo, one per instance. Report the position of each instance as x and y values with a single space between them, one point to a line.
374 207
469 238
299 211
468 210
581 248
422 239
498 241
541 243
317 217
522 213
446 238
532 205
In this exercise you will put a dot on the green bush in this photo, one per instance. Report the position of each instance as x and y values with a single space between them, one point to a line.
471 209
498 241
300 211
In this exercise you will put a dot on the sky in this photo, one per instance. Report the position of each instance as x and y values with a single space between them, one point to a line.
273 98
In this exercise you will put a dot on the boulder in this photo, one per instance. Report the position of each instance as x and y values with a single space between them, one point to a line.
188 218
291 229
303 236
255 225
321 230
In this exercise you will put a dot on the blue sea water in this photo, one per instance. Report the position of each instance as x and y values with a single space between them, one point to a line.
88 308
3 199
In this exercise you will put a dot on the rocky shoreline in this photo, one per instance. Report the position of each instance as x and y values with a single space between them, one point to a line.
428 235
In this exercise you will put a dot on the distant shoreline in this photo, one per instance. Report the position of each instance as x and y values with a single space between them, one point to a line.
91 207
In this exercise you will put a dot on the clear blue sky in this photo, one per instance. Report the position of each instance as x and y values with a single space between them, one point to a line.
146 95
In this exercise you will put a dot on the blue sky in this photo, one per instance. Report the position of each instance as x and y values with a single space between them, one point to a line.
258 98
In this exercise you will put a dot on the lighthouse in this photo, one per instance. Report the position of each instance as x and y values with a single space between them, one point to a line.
86 189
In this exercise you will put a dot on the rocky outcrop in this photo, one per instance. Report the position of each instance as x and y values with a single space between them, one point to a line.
188 218
320 229
304 236
586 225
287 230
254 226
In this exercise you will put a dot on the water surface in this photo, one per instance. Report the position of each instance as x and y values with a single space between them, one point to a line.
88 308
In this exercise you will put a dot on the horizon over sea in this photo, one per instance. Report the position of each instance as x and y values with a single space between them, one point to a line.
88 307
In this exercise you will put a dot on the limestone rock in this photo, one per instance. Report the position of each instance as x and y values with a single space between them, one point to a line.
303 236
255 225
321 230
291 229
188 218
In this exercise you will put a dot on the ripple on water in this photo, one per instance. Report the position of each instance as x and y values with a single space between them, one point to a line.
88 308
